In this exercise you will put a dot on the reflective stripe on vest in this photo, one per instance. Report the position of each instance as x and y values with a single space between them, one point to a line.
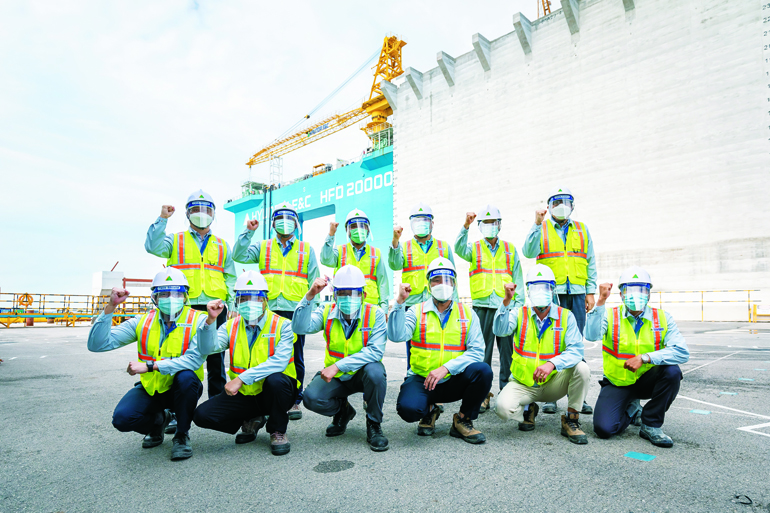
429 350
204 272
287 275
527 345
486 279
554 253
410 266
335 338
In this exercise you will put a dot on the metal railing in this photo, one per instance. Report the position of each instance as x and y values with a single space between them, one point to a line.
67 309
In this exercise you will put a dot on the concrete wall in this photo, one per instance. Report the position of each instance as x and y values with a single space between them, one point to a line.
655 117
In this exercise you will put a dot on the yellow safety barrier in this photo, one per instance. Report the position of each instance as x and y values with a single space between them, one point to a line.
761 314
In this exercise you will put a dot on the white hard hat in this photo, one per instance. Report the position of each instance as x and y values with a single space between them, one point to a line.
440 263
349 277
635 275
488 212
250 281
561 191
356 214
421 209
170 276
284 207
199 195
541 273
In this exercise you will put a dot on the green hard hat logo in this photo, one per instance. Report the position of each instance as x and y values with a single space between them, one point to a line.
489 214
635 276
420 209
201 196
539 273
169 278
441 264
559 190
249 283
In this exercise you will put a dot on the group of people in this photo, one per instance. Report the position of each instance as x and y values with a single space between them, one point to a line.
449 345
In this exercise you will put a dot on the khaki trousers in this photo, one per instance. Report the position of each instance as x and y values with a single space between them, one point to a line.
573 382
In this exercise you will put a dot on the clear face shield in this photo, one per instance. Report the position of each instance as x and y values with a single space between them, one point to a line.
540 293
200 213
442 284
349 301
422 226
561 206
358 230
170 300
635 296
284 222
489 228
251 305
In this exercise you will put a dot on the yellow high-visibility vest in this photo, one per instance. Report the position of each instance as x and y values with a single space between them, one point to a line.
205 273
621 343
489 273
337 346
368 265
416 262
287 275
530 351
432 345
565 262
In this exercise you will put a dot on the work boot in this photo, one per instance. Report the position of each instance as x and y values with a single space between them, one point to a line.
295 412
485 403
440 407
529 418
427 425
182 449
340 420
155 437
656 436
462 427
249 429
570 427
549 407
279 444
587 410
634 411
374 437
171 428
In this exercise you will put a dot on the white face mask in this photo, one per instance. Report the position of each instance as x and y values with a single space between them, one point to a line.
420 227
201 220
284 226
561 212
489 231
442 292
540 295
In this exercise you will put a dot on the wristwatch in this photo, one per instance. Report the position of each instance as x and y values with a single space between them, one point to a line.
150 366
646 358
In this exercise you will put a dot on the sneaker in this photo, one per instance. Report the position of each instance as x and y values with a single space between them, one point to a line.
374 437
462 427
182 449
656 436
279 444
587 410
570 427
529 418
171 428
427 425
155 437
340 420
295 412
249 430
549 407
485 403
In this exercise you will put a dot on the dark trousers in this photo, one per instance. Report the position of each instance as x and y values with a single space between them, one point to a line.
504 344
215 363
471 386
327 398
299 355
227 413
575 303
141 412
660 385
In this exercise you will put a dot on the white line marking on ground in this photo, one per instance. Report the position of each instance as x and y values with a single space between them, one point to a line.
14 357
709 363
43 356
750 429
725 407
595 344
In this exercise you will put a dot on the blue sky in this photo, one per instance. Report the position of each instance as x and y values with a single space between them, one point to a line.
110 109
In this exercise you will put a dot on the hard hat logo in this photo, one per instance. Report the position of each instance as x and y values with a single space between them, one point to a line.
420 210
249 283
539 274
201 196
636 276
169 278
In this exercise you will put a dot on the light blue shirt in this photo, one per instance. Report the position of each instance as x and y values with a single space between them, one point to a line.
103 337
401 327
674 353
307 320
506 321
531 249
247 253
330 257
464 250
396 263
276 363
161 245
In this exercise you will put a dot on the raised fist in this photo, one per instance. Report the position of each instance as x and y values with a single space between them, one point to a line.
167 211
540 215
117 296
397 231
318 285
403 292
215 308
333 228
510 291
252 224
469 218
604 293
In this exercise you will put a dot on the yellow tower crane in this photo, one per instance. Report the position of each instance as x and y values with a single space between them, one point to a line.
388 67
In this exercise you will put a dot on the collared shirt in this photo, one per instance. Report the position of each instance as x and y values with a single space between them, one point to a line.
247 253
506 320
531 249
161 245
396 263
401 327
103 336
464 250
307 320
330 257
276 363
674 353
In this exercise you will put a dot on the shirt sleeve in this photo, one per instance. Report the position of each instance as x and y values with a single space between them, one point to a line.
217 344
230 277
591 281
191 359
531 247
474 348
395 257
573 354
244 251
276 363
307 320
518 279
401 323
374 349
157 242
676 350
312 272
329 254
505 321
383 284
463 249
105 337
596 324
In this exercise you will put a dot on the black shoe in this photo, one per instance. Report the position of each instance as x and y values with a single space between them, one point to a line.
587 410
155 437
374 437
171 428
529 418
182 449
249 430
427 425
340 420
549 407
